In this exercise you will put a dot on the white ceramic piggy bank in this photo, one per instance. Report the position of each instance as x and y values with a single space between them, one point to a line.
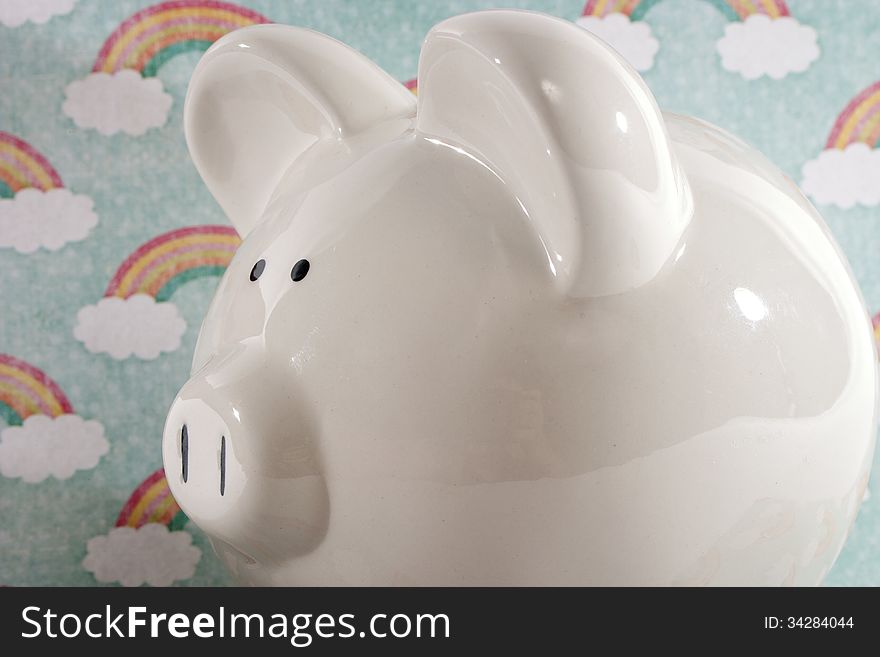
522 329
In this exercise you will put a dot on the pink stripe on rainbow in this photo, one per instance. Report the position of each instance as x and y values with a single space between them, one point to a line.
605 7
144 34
19 176
21 165
217 25
151 501
742 8
156 262
195 250
771 8
859 121
28 390
17 393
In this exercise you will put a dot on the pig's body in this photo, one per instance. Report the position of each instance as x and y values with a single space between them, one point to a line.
426 408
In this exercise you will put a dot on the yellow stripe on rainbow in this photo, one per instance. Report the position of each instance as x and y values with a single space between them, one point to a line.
12 177
159 276
23 166
18 401
169 25
28 391
151 502
859 121
36 396
131 43
200 243
161 262
732 9
136 519
848 129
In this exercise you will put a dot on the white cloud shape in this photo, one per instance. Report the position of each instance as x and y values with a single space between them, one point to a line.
761 45
634 41
16 12
150 553
844 177
110 102
44 446
136 326
35 219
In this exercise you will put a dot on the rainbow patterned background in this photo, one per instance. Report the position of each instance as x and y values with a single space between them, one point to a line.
21 166
731 9
165 262
160 240
150 37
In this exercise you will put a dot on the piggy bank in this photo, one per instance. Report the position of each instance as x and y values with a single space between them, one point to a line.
519 329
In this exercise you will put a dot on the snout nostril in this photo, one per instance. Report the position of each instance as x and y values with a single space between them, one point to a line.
184 453
222 465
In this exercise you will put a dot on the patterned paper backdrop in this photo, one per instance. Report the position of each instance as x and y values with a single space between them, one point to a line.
110 246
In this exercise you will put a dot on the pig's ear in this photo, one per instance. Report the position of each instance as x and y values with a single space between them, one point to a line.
262 95
572 130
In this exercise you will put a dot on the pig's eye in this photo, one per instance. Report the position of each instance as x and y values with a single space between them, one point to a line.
257 271
299 270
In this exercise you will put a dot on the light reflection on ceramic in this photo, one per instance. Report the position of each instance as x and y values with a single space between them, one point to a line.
547 335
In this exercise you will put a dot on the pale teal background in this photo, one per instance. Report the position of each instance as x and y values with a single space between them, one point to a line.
144 186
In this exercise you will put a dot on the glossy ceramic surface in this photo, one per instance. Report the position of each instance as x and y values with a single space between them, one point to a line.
546 335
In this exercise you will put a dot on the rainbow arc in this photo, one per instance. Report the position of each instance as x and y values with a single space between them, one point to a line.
859 122
149 38
161 265
731 9
22 166
150 502
26 390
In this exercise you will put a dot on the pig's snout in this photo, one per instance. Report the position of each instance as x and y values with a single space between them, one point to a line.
184 458
200 461
241 459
